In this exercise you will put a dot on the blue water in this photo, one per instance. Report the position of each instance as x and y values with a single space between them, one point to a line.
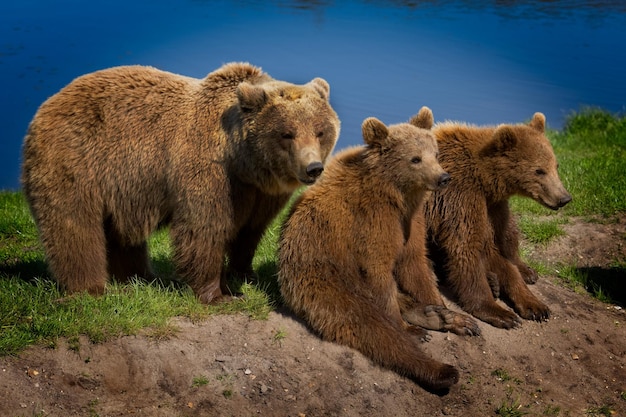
482 62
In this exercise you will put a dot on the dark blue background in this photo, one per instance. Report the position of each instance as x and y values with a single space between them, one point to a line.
482 62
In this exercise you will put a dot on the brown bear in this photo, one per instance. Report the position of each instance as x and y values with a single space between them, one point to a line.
472 236
343 237
119 152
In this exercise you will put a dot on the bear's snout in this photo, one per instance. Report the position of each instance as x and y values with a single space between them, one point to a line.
314 169
444 179
564 200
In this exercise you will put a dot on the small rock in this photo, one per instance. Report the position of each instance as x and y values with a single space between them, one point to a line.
264 388
575 356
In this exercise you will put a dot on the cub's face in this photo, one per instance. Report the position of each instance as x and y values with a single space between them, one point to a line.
412 158
525 159
408 152
537 173
294 127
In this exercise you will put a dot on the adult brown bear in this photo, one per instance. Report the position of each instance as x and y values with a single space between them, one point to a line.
119 152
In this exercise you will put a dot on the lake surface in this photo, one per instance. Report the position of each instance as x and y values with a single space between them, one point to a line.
482 62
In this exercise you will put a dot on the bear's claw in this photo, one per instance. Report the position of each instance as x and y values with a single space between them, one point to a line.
438 317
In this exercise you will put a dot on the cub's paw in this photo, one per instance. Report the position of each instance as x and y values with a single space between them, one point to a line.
497 316
459 323
419 332
438 317
530 275
533 310
447 376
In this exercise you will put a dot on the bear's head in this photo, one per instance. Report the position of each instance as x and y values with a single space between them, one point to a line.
407 152
524 159
293 127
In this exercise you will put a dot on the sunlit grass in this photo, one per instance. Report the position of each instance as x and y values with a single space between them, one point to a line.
541 231
34 311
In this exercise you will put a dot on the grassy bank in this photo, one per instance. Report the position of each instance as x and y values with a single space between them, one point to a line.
592 154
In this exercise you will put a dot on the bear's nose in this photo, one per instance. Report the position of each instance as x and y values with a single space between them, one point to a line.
444 179
564 200
314 169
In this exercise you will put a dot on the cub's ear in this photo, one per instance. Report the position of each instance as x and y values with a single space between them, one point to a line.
538 122
424 119
374 132
503 140
321 86
251 97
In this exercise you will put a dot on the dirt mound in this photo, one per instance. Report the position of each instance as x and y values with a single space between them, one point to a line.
571 365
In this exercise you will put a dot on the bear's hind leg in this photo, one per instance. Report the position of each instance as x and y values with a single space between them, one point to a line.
389 344
76 253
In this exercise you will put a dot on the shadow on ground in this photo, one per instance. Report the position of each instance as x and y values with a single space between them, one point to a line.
610 281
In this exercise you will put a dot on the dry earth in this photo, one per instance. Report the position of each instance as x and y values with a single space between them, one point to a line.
572 365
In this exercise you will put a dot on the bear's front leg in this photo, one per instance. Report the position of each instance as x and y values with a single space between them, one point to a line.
413 270
514 289
507 239
468 278
241 252
199 260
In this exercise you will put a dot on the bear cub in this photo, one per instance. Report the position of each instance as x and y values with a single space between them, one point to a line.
344 236
120 152
473 237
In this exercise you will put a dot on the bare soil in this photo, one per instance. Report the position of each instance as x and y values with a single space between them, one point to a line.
570 365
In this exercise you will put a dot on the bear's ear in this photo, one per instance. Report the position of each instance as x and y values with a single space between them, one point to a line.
424 118
374 131
251 97
538 122
321 86
503 140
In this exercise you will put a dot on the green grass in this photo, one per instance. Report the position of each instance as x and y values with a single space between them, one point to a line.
591 151
511 408
199 381
605 410
541 231
34 311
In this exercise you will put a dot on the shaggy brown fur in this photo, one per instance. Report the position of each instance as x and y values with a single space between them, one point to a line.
472 234
119 152
344 236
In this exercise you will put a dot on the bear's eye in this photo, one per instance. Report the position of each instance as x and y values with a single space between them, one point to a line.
320 135
540 171
287 136
416 160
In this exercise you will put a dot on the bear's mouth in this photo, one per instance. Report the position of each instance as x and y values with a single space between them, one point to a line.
550 206
308 180
554 206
